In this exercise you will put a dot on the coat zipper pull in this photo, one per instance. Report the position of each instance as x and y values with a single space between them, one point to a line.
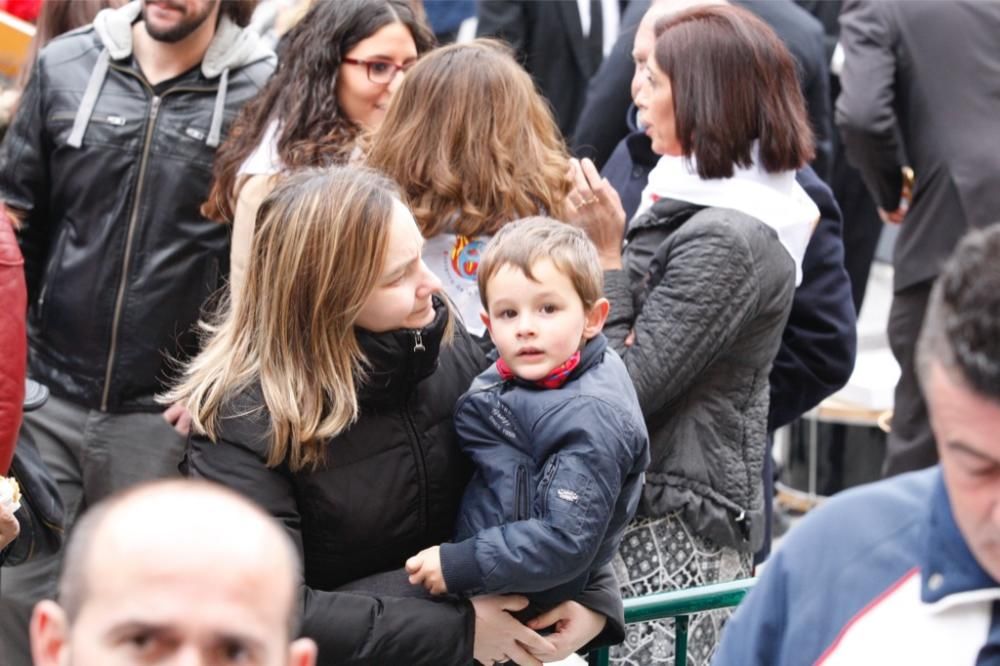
418 342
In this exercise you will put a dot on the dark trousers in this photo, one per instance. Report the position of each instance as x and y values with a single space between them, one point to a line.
910 444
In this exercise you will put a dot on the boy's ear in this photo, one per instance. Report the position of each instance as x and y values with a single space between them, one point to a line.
486 320
595 318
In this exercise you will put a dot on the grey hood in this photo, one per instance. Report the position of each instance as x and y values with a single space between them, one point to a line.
231 47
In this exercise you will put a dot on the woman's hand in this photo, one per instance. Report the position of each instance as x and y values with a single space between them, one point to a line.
179 418
574 626
9 527
595 207
500 637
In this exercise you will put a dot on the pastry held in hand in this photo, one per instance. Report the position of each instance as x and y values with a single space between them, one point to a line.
10 493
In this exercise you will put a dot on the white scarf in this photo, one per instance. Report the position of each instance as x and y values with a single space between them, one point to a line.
776 199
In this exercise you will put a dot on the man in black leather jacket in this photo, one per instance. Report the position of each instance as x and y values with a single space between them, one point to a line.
106 165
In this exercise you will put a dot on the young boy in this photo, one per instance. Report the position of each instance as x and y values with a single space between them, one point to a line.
554 429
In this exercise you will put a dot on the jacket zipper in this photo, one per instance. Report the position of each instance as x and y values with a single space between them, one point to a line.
133 221
418 453
521 500
543 489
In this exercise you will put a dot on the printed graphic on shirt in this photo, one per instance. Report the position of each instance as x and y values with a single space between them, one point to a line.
454 259
465 255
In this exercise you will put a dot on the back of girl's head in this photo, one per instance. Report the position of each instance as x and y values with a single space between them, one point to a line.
733 83
317 253
302 92
471 141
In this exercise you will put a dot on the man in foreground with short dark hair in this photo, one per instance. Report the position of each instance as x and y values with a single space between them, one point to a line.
170 572
904 571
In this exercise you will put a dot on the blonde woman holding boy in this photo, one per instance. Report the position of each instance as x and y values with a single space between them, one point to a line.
554 428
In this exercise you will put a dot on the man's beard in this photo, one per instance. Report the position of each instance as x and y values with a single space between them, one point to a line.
185 27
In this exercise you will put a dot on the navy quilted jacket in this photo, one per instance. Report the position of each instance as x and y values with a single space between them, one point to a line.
558 476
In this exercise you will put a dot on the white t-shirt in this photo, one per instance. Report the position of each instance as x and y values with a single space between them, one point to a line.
454 259
264 160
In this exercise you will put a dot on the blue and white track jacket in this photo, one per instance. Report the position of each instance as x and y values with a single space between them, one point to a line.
878 575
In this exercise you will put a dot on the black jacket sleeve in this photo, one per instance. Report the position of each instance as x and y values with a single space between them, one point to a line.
506 20
349 628
602 122
603 595
819 342
24 178
866 113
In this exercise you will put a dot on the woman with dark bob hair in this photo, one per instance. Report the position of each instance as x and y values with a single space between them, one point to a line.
699 298
338 68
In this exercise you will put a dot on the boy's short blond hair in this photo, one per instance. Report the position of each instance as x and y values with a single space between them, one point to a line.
524 243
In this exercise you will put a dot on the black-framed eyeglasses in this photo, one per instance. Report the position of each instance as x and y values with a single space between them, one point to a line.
380 71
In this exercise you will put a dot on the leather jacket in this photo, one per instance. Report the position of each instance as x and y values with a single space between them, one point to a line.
12 340
108 173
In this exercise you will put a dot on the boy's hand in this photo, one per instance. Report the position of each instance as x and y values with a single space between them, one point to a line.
425 569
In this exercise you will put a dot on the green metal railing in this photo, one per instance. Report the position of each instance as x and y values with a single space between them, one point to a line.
679 604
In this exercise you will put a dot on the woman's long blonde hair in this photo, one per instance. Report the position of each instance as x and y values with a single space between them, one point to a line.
471 142
318 251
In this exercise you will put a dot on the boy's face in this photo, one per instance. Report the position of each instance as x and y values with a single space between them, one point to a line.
538 324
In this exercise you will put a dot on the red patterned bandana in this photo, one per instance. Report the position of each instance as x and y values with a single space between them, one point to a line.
553 380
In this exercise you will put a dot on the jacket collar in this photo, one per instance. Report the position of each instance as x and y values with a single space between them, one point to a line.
640 146
398 360
950 573
669 213
592 354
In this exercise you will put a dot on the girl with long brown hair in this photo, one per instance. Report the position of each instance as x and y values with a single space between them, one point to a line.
481 149
338 67
326 395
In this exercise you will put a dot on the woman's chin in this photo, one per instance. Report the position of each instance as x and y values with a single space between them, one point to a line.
421 318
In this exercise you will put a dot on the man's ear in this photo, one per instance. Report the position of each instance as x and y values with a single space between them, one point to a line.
49 634
595 318
302 652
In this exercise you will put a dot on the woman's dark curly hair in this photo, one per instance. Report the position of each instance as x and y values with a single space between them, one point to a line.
302 93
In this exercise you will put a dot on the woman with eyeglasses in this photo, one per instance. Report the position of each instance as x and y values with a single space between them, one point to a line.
337 71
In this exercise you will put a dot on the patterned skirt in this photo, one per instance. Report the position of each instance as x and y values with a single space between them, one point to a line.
661 554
